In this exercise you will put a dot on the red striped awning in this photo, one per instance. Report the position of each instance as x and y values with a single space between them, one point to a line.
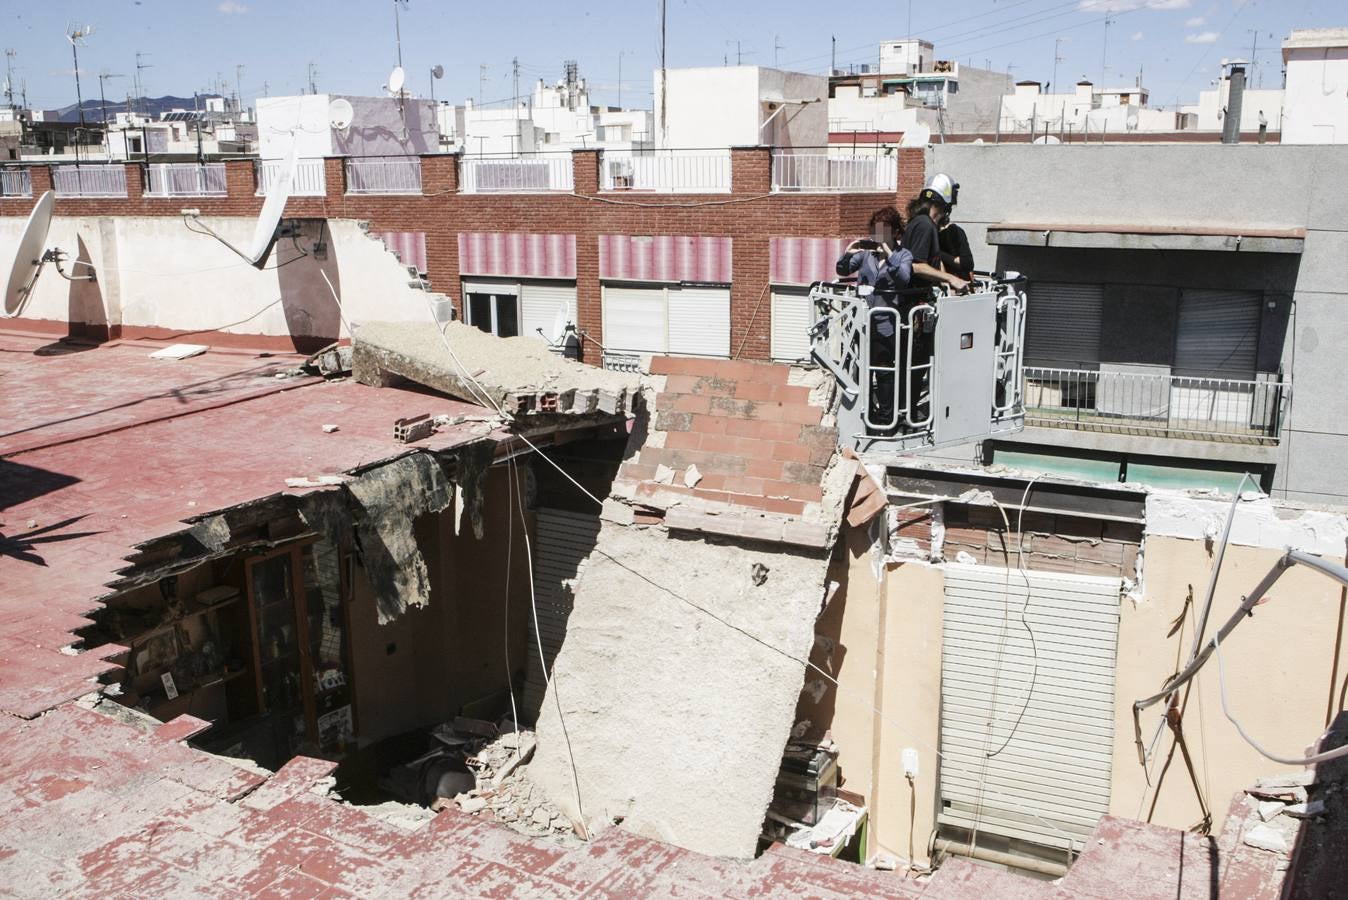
410 247
516 254
795 260
665 258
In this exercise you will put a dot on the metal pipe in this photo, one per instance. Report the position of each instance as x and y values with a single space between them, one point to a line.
1028 863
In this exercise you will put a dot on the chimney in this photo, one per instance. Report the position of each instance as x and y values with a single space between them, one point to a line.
1234 95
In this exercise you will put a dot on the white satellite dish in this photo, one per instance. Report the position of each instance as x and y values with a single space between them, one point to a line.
917 136
396 79
268 221
438 72
31 255
1047 139
340 113
558 325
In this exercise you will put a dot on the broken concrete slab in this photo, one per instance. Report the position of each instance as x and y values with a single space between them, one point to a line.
651 743
519 375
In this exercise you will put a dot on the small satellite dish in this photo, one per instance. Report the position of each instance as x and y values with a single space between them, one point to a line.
1047 139
917 136
558 325
438 71
31 255
268 221
396 79
340 113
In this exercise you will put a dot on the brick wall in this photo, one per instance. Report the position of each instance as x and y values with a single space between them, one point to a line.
750 215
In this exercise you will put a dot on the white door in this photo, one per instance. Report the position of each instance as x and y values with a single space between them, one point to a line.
544 304
1040 771
699 321
493 306
791 321
562 542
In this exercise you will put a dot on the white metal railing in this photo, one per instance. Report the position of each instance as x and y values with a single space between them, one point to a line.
90 181
517 174
1159 405
666 171
795 171
16 183
186 180
310 180
384 175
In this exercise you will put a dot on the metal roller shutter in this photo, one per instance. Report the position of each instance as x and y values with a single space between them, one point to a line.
540 304
634 319
791 321
1217 334
699 321
1041 776
562 543
1062 329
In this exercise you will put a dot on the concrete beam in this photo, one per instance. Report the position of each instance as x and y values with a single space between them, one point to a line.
1140 240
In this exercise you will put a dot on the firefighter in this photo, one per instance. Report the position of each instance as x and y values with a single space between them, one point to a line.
922 237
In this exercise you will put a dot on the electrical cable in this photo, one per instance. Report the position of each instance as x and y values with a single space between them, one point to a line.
510 546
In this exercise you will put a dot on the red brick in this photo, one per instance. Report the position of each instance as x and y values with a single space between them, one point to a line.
792 394
727 406
684 440
790 452
810 493
712 481
801 473
636 471
720 443
710 424
741 484
770 469
692 404
758 391
770 504
714 496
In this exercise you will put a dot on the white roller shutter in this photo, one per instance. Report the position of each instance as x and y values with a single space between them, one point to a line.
1217 334
634 319
1042 775
1062 327
699 321
540 304
791 321
562 543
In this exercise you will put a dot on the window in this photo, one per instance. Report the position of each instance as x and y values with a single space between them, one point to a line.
791 319
496 312
685 319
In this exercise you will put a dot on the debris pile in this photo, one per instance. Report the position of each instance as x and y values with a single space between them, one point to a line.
500 765
1282 803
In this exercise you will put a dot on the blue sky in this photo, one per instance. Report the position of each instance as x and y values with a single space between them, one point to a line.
1176 44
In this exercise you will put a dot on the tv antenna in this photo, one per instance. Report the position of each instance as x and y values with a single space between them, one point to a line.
398 29
32 254
140 82
437 72
78 36
268 224
10 53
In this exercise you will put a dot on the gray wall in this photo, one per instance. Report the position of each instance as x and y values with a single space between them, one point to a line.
1202 186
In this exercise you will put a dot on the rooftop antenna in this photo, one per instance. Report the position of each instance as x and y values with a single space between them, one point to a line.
238 89
1104 52
1057 58
776 46
10 53
437 72
268 224
140 82
664 76
32 254
481 81
77 36
103 101
313 77
398 30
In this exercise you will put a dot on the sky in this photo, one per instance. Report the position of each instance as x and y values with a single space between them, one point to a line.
1176 46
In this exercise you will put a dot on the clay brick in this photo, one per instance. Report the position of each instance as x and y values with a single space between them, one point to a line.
1128 565
1106 553
728 406
1042 563
808 534
757 391
741 484
809 493
636 472
684 440
715 386
769 469
820 441
674 365
646 516
713 481
691 403
979 554
790 452
966 537
801 473
650 489
1047 544
1073 526
710 424
988 517
792 394
713 496
916 514
668 420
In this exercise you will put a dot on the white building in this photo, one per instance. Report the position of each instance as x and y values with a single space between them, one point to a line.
1315 108
380 126
1087 110
739 106
1257 107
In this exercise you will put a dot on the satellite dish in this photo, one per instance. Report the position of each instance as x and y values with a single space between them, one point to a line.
268 221
558 325
438 71
31 255
917 136
340 113
1047 139
396 79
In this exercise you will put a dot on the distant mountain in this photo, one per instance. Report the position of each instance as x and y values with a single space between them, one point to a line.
153 106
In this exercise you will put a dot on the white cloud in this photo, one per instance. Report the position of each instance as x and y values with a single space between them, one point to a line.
231 8
1118 6
1206 37
1196 22
1137 36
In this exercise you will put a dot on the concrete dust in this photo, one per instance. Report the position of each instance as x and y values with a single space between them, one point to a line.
510 795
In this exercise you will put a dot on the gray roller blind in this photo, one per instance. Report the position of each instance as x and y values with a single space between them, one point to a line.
1218 333
1063 325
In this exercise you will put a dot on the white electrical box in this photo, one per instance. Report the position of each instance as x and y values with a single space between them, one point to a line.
909 762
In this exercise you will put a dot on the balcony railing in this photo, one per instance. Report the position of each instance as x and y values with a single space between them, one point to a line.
618 361
310 180
1174 406
794 171
384 175
186 180
517 174
90 181
666 171
16 183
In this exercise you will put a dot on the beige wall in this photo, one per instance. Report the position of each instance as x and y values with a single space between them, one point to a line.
1280 665
452 651
1284 676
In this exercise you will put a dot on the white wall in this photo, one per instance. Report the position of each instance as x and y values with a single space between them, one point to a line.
378 127
849 111
153 272
301 120
708 107
1315 109
1212 105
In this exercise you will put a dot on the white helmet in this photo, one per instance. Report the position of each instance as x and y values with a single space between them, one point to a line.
943 188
